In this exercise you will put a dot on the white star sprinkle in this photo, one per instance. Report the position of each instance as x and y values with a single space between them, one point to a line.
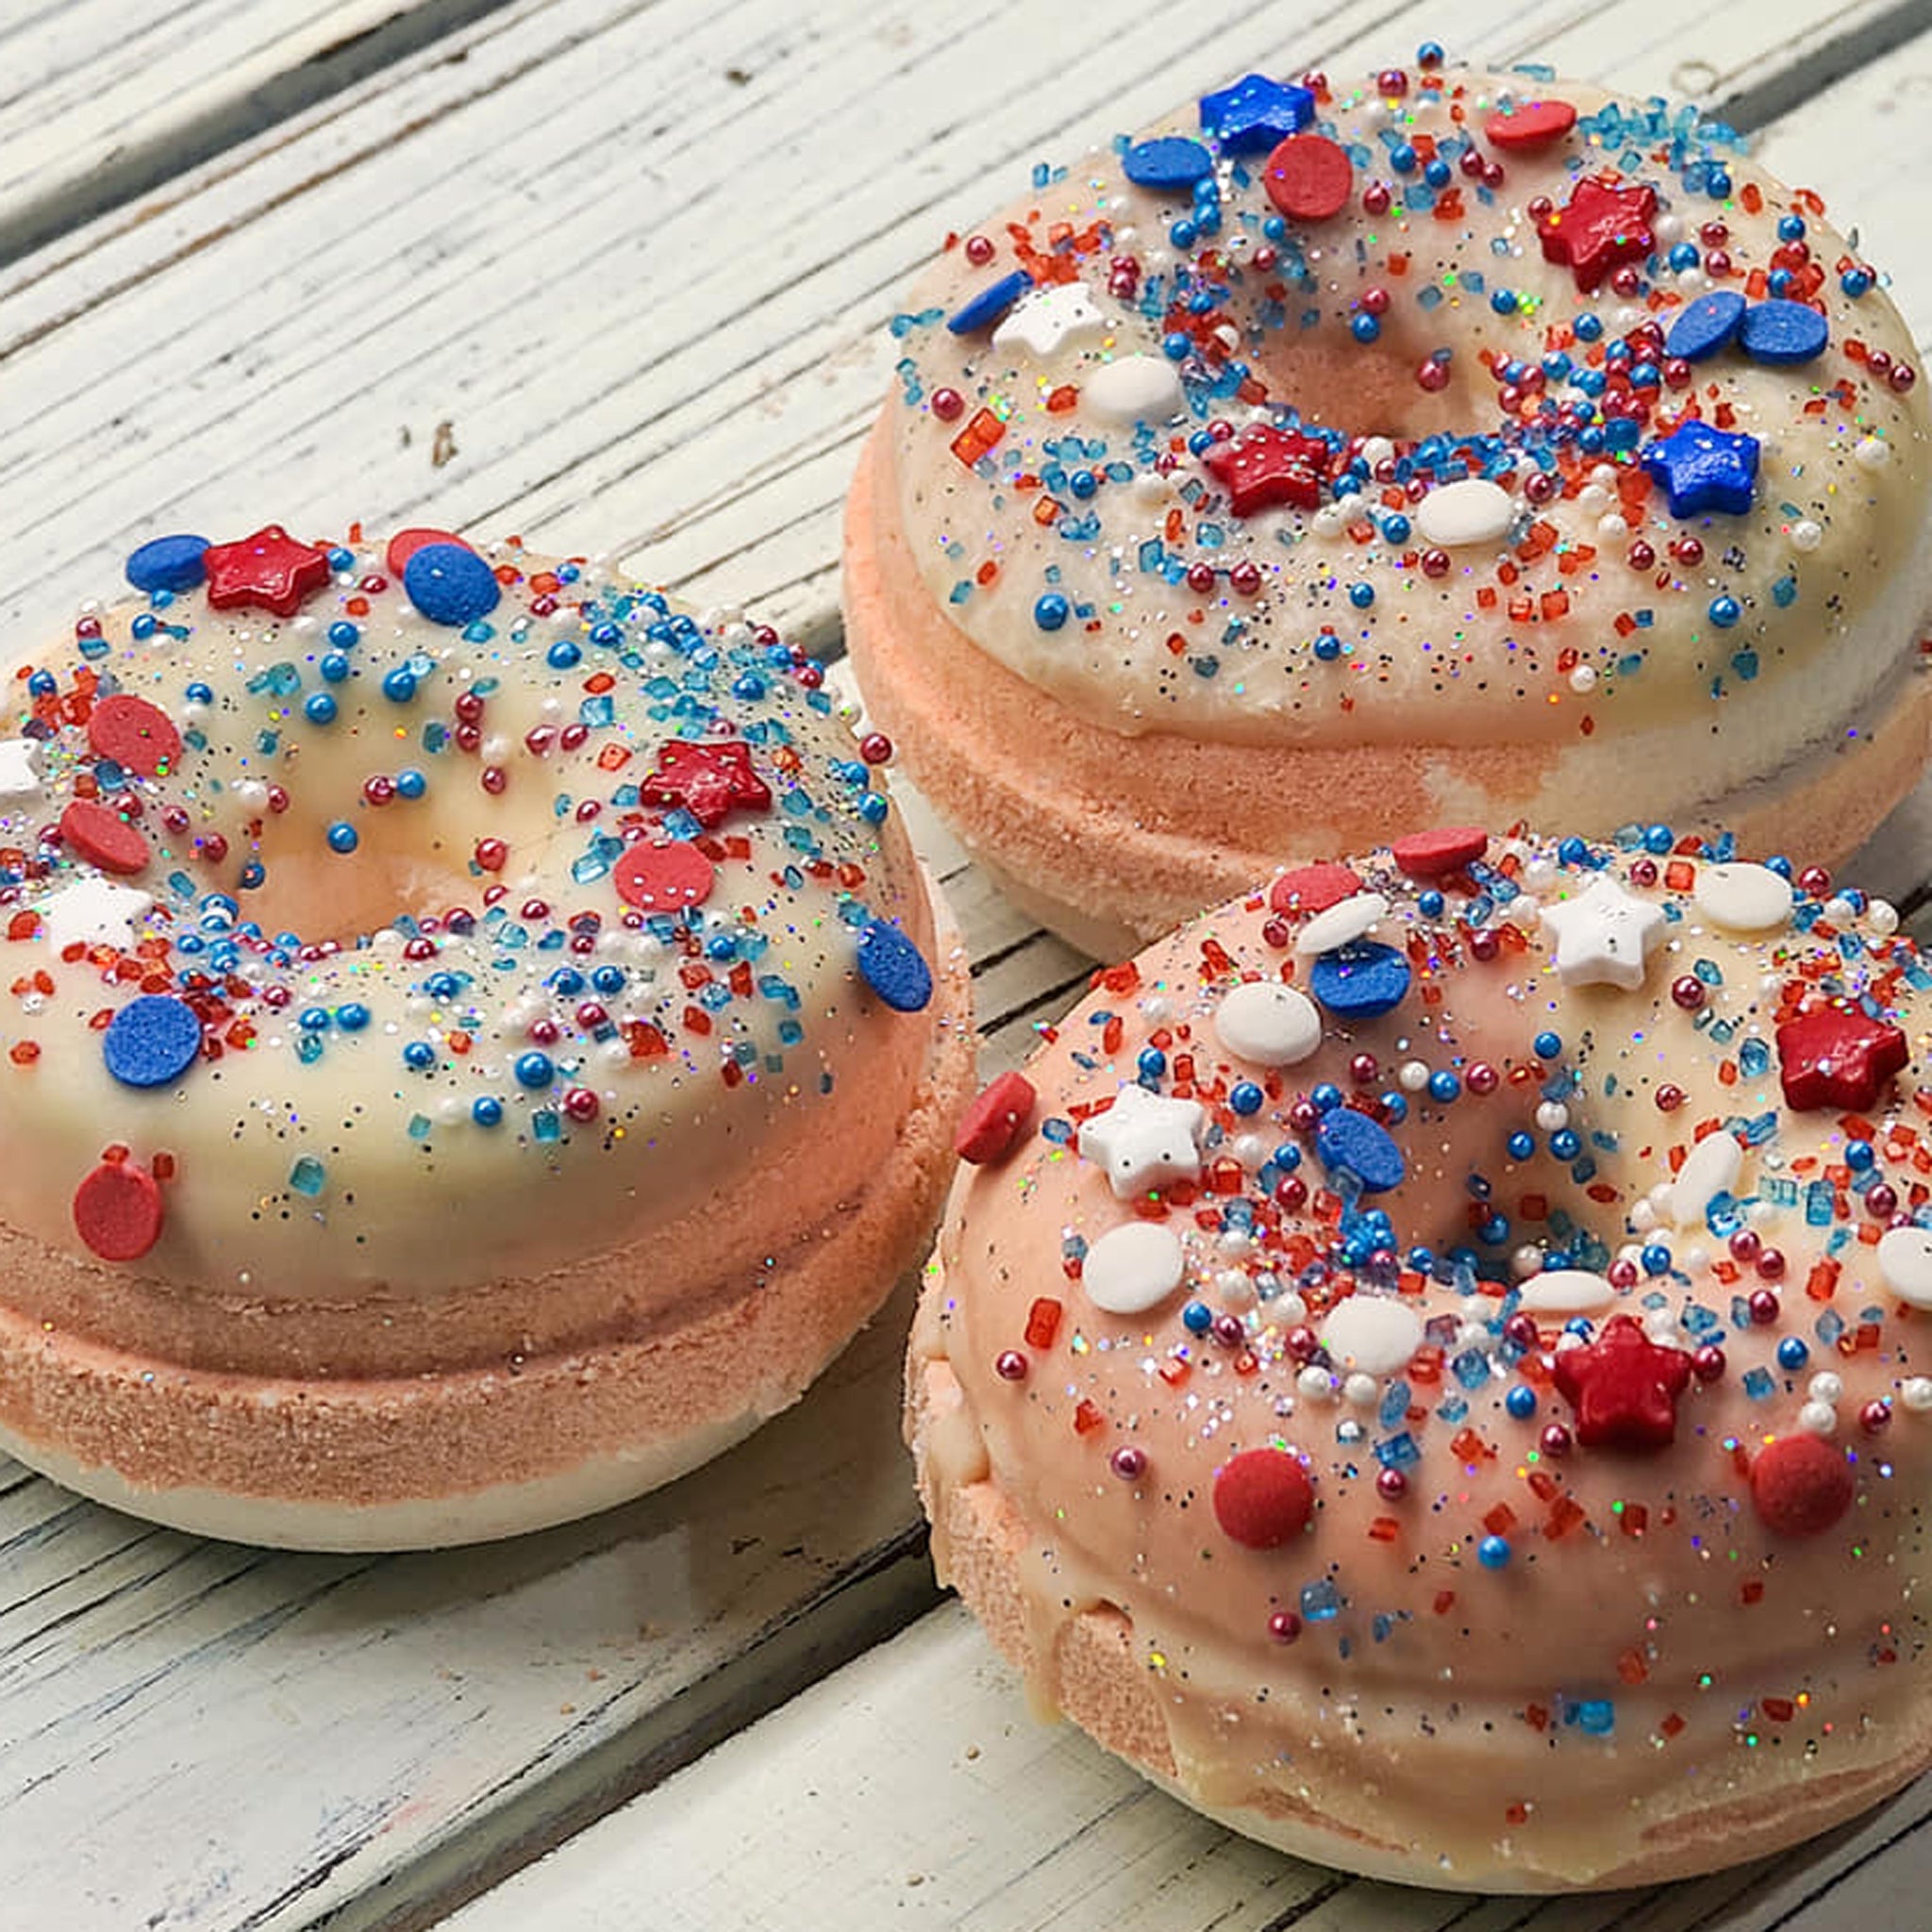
1048 317
1142 1139
93 911
20 769
1605 937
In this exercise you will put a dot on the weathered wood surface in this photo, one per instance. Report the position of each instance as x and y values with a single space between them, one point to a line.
913 1788
610 271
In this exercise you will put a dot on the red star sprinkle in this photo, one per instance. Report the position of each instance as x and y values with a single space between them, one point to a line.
1314 887
1801 1485
1431 854
1265 466
1625 1388
993 1123
270 571
1530 124
1308 177
117 1211
104 837
138 736
1838 1057
1601 228
1262 1498
708 780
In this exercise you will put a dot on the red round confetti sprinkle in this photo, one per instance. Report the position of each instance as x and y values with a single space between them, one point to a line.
138 736
994 1119
1314 887
104 837
1801 1485
1430 855
1308 177
663 879
1534 123
1263 1498
406 543
117 1210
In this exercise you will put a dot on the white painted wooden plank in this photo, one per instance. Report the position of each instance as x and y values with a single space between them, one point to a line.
913 1785
641 293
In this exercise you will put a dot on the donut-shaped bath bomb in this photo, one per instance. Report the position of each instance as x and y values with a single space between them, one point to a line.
479 1040
1486 1446
1442 448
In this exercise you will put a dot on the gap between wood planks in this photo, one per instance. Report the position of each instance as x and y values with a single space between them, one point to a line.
126 174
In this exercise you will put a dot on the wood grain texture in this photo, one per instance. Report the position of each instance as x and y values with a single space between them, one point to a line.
608 271
914 1788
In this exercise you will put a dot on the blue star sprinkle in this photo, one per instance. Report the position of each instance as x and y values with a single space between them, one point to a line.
1256 113
1704 469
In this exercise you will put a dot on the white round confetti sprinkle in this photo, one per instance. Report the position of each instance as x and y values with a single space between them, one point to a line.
1274 1025
1826 1387
1806 535
1594 499
1566 1291
1872 452
1315 1385
1328 522
1235 1289
1817 1419
1132 1268
1881 915
1614 526
1373 1333
1526 1262
1711 1168
1915 1392
1743 897
1470 511
1360 1391
1133 388
1583 679
1377 449
1904 1261
1552 1116
1839 910
1354 916
1412 1076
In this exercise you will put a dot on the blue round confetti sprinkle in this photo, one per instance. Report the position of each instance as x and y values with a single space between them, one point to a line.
1588 326
1197 1318
1051 611
1706 325
1324 1098
1656 1259
892 965
319 708
343 634
419 1055
982 310
352 1016
1790 228
1365 328
152 1041
450 584
1152 1063
1565 1143
563 655
399 686
343 837
411 784
487 1110
1520 1145
1658 839
1855 282
1361 595
1521 1402
1244 1097
313 1019
1546 1046
1791 1353
1351 1143
1394 1107
334 667
1783 332
1444 1086
1493 1553
1859 1154
168 563
1725 613
1360 981
1169 161
534 1070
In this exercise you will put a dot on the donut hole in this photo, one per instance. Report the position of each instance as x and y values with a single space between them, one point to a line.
1367 389
321 895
